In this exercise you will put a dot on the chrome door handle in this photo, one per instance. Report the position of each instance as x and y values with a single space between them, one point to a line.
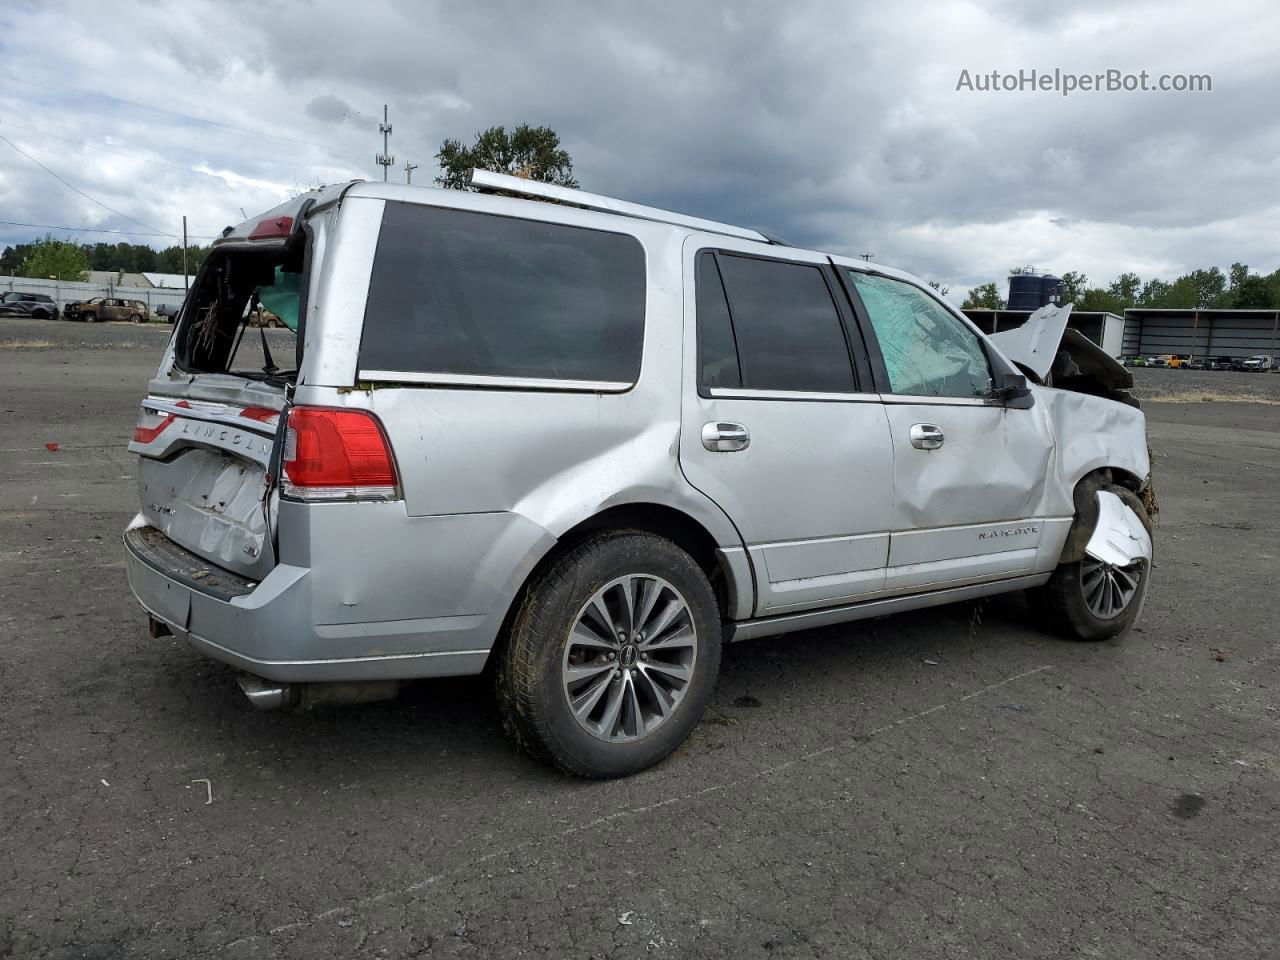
925 436
721 437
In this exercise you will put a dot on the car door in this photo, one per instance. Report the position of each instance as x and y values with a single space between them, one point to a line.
969 471
776 425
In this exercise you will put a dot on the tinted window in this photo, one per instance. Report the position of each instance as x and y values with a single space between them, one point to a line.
927 351
787 329
468 293
717 351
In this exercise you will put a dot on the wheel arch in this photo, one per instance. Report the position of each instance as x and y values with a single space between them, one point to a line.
1084 497
727 568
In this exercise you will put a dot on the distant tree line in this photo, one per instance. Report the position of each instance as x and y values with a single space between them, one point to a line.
1203 289
68 260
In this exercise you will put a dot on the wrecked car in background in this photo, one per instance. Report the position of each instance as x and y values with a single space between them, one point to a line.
587 442
107 308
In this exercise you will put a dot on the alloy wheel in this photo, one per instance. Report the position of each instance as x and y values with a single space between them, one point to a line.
1108 589
630 657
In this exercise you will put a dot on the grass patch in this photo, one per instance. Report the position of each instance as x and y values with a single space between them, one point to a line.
1209 396
25 344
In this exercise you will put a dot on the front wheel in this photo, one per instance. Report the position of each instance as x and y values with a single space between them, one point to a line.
612 656
1095 600
134 318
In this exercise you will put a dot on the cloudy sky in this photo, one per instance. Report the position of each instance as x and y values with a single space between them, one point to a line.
836 125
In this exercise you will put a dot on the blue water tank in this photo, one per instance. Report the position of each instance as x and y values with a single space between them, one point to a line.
1031 291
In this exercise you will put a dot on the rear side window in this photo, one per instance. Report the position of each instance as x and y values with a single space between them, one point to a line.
927 352
455 292
717 349
786 328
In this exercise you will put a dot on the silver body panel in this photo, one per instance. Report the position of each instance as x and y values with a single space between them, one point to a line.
828 512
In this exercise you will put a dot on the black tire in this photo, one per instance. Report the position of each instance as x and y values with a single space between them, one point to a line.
90 317
39 315
134 318
530 673
1065 592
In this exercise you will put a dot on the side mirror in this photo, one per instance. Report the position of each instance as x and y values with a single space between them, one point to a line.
1011 389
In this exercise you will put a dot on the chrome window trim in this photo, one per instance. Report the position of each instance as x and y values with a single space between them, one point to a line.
740 393
494 382
918 400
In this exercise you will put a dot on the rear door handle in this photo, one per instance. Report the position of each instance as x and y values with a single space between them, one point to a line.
720 437
926 436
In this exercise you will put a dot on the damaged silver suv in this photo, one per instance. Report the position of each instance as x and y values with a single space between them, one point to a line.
584 443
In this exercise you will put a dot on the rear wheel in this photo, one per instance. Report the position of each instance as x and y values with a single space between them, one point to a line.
612 656
134 318
1093 600
90 317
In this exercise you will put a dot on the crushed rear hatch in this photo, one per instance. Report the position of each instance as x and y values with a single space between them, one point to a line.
208 431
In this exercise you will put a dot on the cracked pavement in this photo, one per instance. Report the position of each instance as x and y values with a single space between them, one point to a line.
953 783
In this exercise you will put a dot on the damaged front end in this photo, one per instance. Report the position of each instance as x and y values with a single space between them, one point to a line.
1054 355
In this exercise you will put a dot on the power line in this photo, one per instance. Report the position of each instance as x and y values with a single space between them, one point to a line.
98 147
122 102
123 233
72 186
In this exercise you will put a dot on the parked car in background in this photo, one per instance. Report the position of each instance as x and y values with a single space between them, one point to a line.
1257 364
1220 363
1137 362
168 311
38 306
466 462
1159 360
1180 361
108 308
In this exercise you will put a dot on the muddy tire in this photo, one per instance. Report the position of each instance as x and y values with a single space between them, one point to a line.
1088 600
611 657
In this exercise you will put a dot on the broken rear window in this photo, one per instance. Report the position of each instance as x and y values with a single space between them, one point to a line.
237 291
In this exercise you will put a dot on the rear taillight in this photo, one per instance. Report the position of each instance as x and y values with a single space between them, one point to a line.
332 454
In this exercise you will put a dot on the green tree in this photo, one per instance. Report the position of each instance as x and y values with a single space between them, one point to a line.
1074 285
1103 300
1155 293
57 259
1253 293
1237 275
984 296
1125 289
530 152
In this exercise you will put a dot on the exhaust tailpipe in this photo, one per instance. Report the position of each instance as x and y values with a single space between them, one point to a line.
274 695
267 694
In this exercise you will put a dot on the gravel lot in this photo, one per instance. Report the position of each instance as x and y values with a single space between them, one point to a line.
953 783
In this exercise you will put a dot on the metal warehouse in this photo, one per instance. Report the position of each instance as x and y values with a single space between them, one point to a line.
1201 333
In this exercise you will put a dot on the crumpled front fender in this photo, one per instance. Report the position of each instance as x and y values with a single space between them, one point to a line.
1119 536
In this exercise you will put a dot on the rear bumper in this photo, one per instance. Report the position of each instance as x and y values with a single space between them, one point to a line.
270 628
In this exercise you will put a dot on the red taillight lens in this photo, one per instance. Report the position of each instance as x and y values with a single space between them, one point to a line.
279 227
332 454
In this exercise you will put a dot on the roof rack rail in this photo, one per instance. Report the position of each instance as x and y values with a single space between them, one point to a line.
488 181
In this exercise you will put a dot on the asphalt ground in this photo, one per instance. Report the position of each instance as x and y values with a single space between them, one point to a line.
953 783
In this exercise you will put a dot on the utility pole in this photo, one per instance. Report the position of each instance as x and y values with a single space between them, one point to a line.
408 171
184 255
866 256
384 158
